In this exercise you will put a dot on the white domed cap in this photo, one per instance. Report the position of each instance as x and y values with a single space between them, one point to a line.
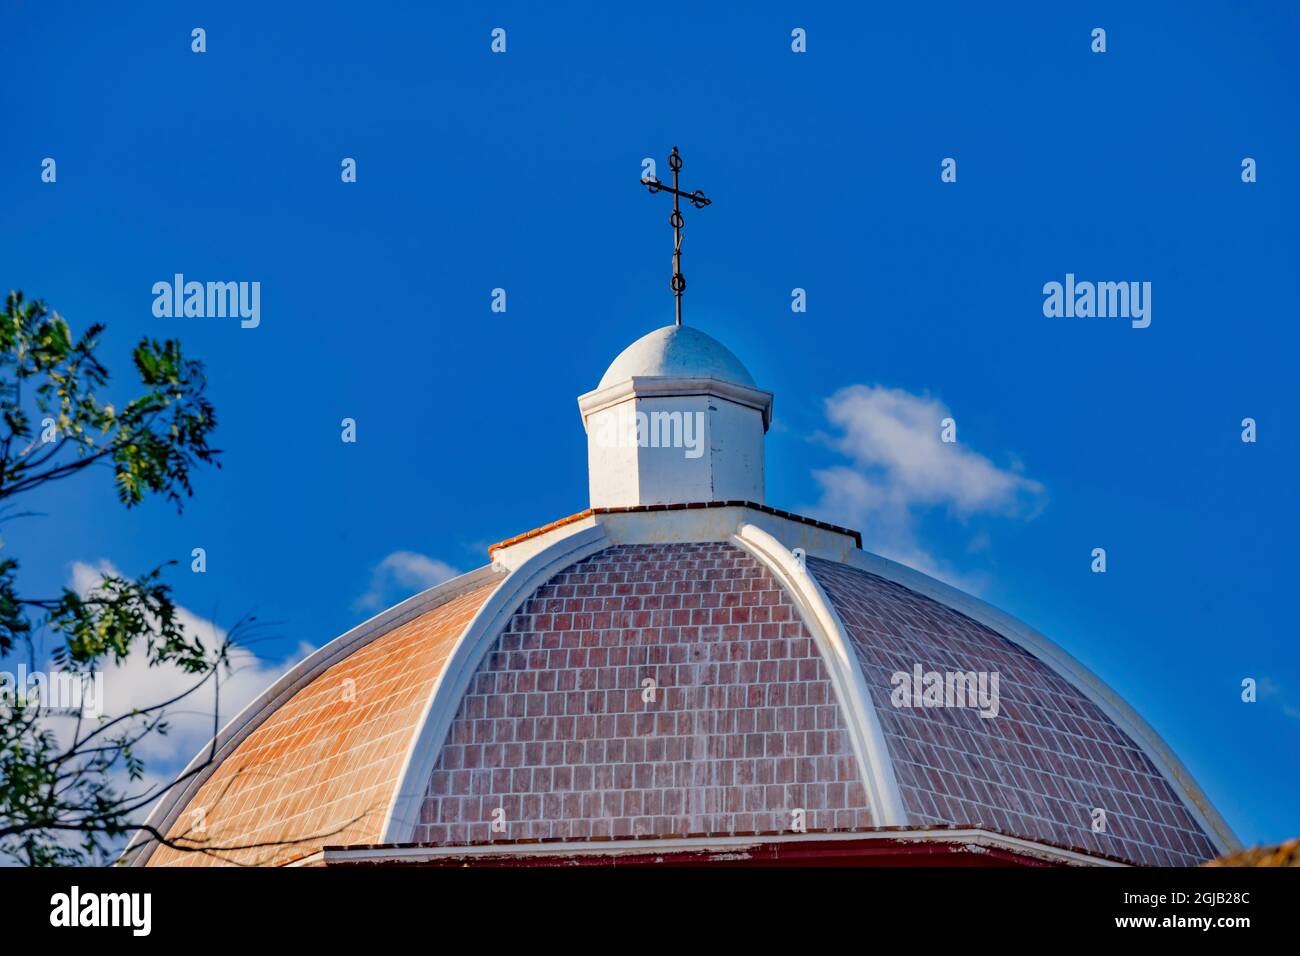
676 419
677 351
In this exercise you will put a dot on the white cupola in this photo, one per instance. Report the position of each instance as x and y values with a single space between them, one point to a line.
675 419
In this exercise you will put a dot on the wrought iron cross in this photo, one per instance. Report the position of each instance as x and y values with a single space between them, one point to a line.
698 200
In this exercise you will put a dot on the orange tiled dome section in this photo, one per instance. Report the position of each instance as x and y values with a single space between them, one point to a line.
322 768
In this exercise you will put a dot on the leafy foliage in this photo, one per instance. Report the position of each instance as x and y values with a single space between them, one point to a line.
153 442
65 796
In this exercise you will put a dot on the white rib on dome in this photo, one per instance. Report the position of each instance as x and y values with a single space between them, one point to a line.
677 351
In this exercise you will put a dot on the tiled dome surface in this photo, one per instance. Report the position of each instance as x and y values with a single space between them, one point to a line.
322 768
1039 768
554 736
555 733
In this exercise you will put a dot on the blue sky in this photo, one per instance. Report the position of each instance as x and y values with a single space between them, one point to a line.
478 171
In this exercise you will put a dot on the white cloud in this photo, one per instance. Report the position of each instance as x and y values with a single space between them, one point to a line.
900 467
1269 688
408 571
134 685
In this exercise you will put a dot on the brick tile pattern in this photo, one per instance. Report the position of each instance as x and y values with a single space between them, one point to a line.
1036 770
322 768
554 730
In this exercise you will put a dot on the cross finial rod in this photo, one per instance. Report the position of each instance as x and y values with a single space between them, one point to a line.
698 200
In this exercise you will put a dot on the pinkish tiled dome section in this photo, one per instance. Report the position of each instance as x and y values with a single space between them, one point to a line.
555 732
1036 770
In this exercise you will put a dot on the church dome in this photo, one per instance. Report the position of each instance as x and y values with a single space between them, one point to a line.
676 351
699 678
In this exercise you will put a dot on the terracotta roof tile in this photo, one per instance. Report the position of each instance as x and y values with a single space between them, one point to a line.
322 767
1285 854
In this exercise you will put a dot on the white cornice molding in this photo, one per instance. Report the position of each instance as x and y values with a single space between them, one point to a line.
671 387
172 803
685 525
847 679
725 844
1057 658
453 683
